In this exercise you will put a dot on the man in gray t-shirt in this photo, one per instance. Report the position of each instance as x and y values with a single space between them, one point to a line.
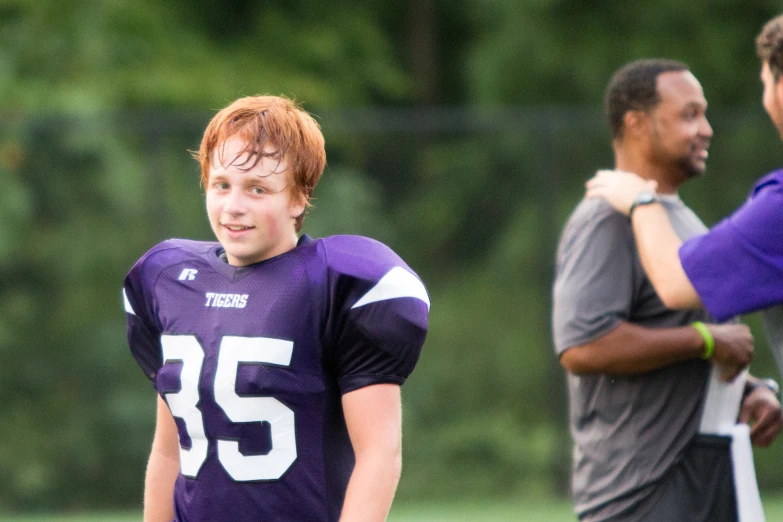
737 267
650 416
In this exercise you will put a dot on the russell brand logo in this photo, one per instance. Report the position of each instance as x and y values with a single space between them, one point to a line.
188 274
226 300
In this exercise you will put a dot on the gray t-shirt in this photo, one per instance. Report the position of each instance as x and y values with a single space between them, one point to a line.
628 430
773 322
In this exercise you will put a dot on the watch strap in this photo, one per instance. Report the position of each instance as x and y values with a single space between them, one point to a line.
770 384
643 199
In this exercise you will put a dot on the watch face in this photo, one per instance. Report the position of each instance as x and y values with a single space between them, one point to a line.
644 198
772 385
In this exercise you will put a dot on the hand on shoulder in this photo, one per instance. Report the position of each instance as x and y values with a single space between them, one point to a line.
618 187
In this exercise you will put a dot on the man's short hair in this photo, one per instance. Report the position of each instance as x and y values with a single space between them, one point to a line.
769 46
276 120
634 88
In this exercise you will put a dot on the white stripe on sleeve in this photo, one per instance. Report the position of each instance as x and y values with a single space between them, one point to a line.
397 282
128 307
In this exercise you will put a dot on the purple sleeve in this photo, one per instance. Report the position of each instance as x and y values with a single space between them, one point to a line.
381 313
380 343
737 267
142 331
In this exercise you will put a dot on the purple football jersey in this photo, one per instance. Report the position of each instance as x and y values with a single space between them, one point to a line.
737 267
252 362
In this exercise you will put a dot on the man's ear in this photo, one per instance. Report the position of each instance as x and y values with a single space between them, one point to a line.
636 124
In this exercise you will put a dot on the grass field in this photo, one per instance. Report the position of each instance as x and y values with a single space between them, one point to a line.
485 511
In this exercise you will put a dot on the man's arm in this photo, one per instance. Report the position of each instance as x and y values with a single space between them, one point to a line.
656 241
373 415
761 409
630 349
162 468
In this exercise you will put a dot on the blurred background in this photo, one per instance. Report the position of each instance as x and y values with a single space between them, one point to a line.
459 133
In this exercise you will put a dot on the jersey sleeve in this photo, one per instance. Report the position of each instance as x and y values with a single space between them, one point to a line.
380 313
142 330
594 283
737 267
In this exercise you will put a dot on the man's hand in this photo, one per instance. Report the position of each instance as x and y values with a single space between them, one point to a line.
761 409
618 187
733 348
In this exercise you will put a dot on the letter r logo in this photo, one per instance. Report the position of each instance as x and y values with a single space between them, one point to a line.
188 274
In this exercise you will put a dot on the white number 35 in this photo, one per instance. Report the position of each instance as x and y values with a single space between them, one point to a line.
184 404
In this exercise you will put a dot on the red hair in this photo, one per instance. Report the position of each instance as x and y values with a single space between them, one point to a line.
259 120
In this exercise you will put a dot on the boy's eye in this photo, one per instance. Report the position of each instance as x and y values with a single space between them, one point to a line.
221 185
257 190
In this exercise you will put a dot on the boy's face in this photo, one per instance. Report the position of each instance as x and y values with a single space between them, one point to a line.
251 210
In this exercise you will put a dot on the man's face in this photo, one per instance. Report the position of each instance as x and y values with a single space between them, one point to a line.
680 133
251 211
772 97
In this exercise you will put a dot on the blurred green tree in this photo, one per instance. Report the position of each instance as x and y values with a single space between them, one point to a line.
102 100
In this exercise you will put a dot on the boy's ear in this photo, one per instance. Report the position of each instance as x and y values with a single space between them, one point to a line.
298 205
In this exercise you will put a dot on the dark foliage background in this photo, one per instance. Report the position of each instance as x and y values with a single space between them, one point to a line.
459 133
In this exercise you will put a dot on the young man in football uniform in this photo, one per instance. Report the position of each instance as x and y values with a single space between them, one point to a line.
278 359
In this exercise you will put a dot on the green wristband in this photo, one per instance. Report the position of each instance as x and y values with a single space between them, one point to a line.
709 342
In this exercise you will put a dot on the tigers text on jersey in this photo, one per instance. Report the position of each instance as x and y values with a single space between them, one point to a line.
226 300
252 362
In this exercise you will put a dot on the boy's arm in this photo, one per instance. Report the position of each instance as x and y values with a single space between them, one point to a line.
162 468
658 247
656 241
373 415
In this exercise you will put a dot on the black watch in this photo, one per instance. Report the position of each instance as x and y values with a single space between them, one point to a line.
643 198
770 384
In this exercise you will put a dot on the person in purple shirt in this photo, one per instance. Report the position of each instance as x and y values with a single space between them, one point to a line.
735 268
277 359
